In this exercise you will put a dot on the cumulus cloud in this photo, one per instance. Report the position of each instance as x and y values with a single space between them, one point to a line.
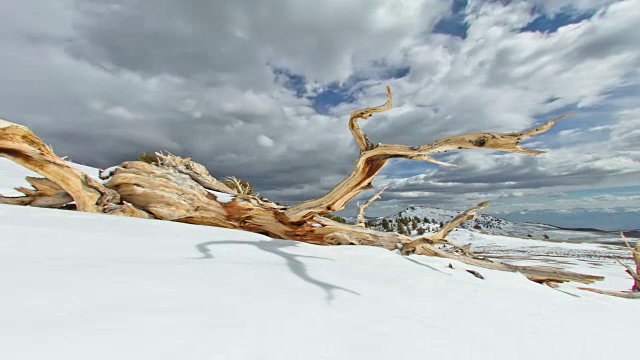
262 89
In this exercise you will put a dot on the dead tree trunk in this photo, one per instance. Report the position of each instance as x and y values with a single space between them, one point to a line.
178 189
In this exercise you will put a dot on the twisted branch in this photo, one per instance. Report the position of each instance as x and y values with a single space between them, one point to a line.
373 157
45 193
361 138
439 237
361 208
19 144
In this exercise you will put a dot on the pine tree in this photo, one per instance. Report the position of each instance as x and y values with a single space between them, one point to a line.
385 224
339 219
401 228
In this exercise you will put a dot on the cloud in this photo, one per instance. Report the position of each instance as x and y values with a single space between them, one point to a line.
232 41
238 86
556 6
265 141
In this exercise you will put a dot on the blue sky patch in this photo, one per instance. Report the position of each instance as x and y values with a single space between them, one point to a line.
330 97
455 23
334 94
291 81
403 168
544 23
396 73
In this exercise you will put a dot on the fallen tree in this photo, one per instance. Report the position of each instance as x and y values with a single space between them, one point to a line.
178 189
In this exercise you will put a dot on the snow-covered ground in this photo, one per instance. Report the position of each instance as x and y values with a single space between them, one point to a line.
89 286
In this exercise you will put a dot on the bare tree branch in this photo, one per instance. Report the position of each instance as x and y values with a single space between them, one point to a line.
361 208
373 158
361 138
439 237
620 294
22 146
630 270
633 251
45 193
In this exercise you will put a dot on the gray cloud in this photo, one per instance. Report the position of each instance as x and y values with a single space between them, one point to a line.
103 80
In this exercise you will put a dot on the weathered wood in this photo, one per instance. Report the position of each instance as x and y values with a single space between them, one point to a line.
45 193
621 294
373 157
19 144
539 274
359 136
439 237
363 207
178 189
475 273
170 190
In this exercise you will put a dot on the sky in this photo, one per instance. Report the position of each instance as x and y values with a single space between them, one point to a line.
262 90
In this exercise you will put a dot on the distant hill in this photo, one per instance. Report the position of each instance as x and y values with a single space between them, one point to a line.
632 233
418 220
581 229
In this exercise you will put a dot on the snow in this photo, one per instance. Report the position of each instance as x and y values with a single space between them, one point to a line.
221 197
12 176
5 123
92 286
108 172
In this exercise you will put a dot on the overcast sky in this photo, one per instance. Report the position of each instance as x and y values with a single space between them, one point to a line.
262 89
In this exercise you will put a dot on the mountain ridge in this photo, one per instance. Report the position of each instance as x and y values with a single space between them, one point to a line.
487 224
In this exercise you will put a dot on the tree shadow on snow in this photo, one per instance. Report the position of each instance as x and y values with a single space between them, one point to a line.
292 260
425 265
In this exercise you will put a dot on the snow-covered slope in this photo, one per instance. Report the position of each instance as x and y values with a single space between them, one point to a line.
429 219
88 286
91 286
